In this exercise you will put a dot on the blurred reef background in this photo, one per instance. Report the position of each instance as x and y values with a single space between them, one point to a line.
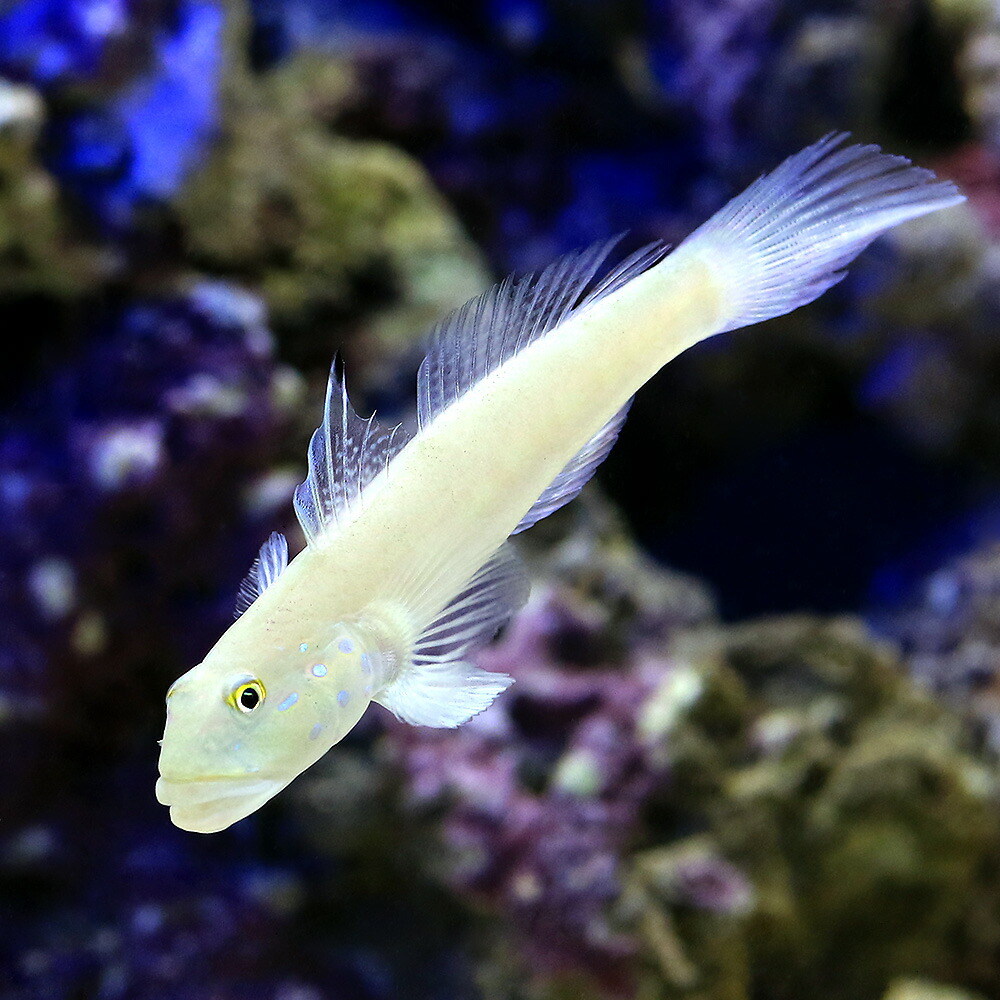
752 753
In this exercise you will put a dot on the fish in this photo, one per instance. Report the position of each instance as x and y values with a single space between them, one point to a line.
407 568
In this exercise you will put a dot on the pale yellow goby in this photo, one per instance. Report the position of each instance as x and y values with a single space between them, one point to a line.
521 395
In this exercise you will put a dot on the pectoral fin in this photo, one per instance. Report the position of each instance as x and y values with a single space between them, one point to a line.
440 687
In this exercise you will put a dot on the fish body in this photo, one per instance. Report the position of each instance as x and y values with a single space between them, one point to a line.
522 393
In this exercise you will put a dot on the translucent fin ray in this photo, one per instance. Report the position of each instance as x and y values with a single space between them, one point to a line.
788 237
267 567
488 331
439 687
346 452
577 472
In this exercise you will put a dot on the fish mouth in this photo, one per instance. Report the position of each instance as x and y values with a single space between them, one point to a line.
208 804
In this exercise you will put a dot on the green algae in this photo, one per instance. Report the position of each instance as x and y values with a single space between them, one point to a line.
856 806
922 989
332 231
40 254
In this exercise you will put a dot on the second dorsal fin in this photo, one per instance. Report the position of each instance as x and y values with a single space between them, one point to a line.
488 331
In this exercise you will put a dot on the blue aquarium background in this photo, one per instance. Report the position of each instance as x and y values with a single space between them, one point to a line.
752 750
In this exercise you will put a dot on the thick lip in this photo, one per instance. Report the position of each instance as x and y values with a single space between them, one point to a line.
210 803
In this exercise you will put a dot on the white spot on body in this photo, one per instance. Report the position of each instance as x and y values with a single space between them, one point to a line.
303 647
315 731
289 701
345 646
343 697
319 670
366 663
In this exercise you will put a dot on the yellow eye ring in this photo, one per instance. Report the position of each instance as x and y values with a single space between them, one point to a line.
247 696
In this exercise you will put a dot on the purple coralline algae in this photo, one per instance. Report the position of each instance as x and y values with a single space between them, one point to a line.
656 815
947 630
107 469
545 790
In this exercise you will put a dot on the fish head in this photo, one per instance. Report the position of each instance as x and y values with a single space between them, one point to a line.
235 737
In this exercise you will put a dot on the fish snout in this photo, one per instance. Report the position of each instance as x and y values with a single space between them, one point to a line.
213 803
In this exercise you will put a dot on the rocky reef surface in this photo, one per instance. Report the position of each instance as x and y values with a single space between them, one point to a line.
752 749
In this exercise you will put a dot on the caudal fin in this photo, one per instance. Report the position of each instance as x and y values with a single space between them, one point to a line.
788 237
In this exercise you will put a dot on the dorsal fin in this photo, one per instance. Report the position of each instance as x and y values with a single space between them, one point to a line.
439 687
489 330
485 333
346 453
267 567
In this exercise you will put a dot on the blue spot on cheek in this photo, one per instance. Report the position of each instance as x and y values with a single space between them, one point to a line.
303 647
343 698
319 670
316 730
345 645
289 701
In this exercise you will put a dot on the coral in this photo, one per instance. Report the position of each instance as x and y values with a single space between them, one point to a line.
861 814
550 125
921 989
331 230
539 144
663 806
850 803
110 475
38 253
772 809
133 89
947 630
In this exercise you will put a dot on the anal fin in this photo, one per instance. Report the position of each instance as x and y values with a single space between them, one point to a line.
577 472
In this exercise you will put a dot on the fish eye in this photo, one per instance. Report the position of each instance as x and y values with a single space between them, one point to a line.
247 696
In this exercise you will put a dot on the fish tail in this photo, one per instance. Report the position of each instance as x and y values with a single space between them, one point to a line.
788 237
